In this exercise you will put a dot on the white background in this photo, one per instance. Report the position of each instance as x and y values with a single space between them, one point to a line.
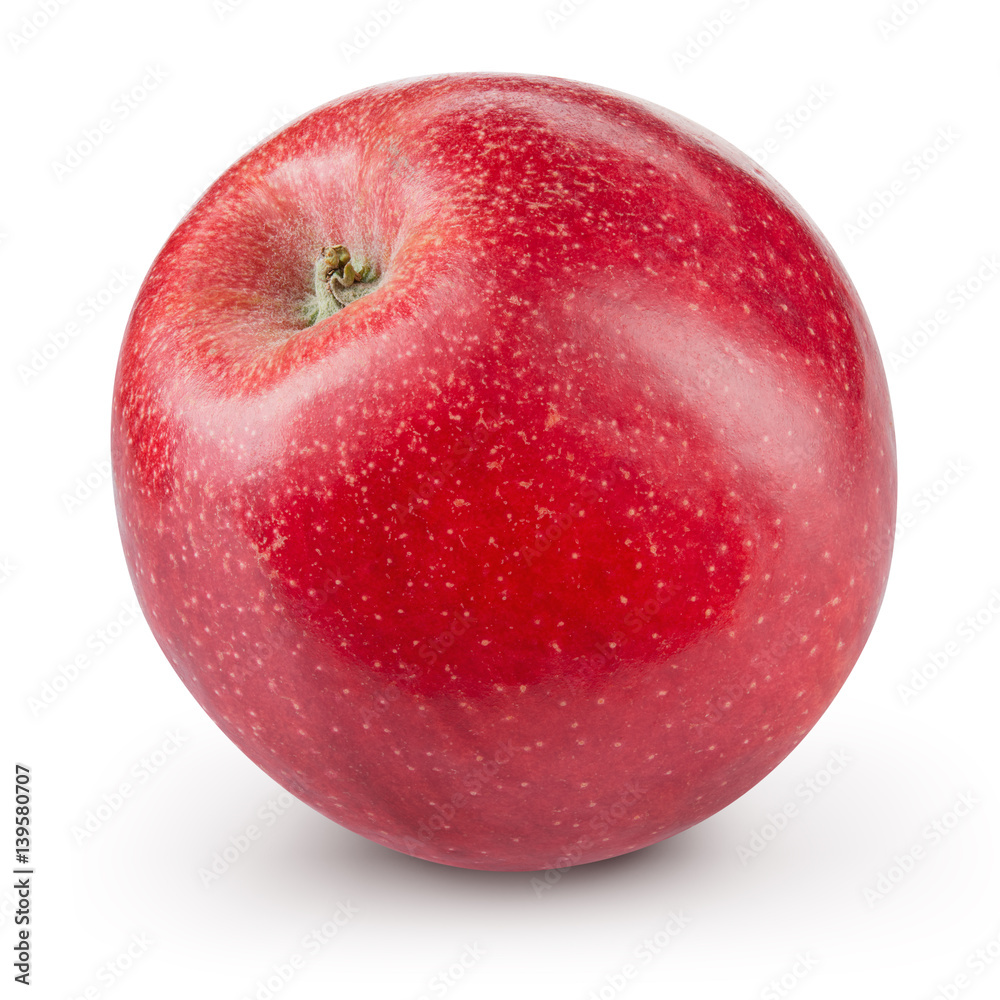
226 74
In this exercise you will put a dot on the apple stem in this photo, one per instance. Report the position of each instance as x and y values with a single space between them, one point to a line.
338 282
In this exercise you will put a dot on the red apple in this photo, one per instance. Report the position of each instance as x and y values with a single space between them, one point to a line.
506 465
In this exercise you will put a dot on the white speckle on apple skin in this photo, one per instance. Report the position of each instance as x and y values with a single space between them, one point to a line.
386 552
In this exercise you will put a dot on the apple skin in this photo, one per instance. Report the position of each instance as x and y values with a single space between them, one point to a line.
566 532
